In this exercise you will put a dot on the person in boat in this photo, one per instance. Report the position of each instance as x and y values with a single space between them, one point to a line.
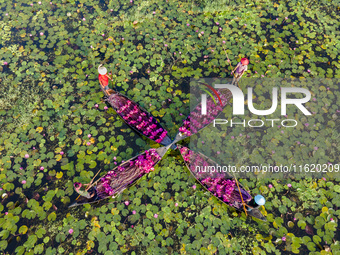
103 78
241 67
257 201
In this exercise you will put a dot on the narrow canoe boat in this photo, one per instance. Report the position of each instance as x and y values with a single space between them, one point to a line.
120 178
195 122
137 118
221 184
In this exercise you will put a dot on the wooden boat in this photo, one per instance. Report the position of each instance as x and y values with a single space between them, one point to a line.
220 184
195 122
120 178
139 119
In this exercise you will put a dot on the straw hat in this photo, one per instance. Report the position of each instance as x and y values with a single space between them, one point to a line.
244 61
102 70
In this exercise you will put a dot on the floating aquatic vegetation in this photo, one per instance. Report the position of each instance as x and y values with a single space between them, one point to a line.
5 31
61 63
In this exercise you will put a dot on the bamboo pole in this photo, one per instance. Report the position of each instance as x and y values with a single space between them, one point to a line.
91 183
243 203
230 65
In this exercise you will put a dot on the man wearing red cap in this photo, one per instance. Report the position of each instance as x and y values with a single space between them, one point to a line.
240 69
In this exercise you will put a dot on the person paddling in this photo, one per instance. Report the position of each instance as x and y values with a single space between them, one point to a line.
240 69
103 78
256 202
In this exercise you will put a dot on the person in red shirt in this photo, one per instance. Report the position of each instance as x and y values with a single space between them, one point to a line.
240 69
103 78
